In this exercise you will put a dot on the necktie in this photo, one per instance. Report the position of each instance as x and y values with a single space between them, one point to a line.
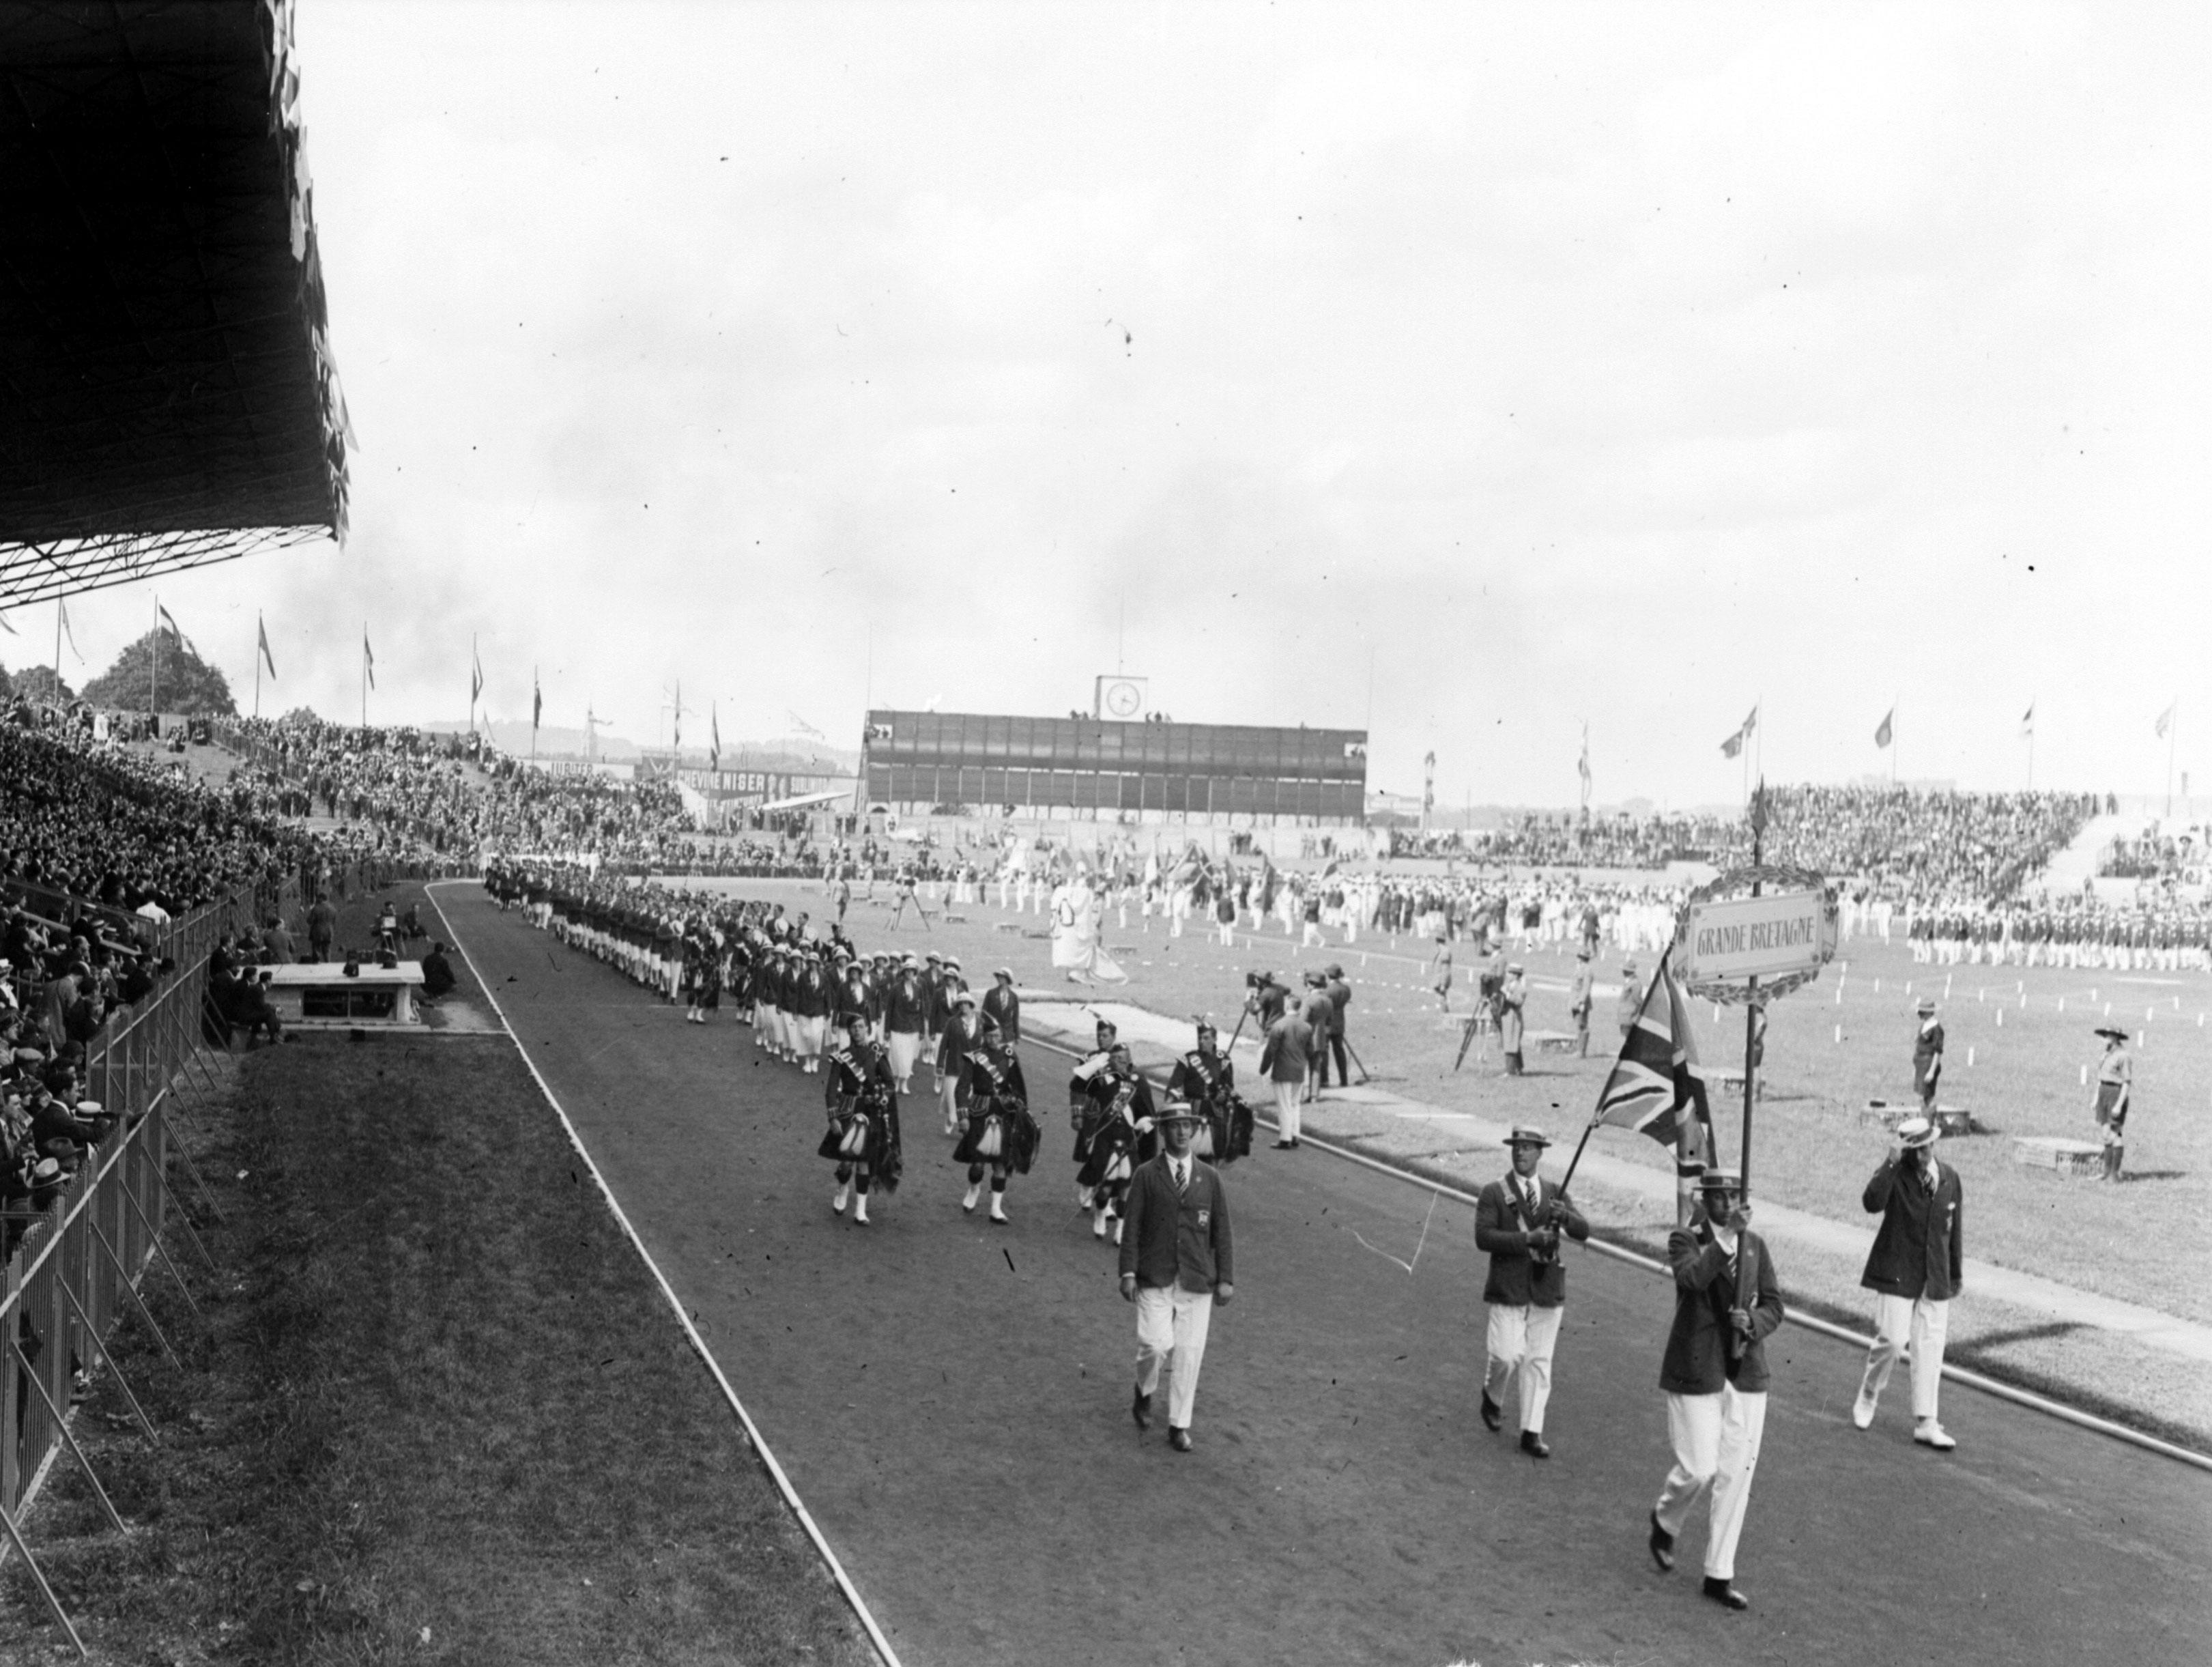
1182 1176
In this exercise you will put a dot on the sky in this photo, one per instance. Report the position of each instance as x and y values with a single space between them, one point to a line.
1470 374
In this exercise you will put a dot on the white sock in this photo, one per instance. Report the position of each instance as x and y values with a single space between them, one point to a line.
860 1207
973 1193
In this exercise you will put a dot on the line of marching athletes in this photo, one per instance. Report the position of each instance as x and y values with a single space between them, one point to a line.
866 1022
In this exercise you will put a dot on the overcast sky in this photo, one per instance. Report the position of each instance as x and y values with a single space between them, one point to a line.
1484 369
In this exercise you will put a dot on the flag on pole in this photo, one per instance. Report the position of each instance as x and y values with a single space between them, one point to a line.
1882 734
69 631
713 738
475 674
2027 721
5 626
261 630
1734 744
537 700
1656 1077
2164 721
679 716
1582 766
367 658
168 622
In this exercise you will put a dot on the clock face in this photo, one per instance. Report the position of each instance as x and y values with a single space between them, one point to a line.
1121 699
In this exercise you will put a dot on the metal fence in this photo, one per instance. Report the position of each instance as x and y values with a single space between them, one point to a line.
75 1273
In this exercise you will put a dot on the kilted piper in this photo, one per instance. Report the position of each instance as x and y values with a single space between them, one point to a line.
1000 1136
863 1142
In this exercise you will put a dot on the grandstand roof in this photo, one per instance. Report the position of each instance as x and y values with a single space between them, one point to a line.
168 397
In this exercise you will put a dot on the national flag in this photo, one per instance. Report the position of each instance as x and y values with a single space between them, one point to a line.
1656 1076
475 674
679 716
1882 735
367 658
1270 883
713 738
69 631
2027 721
168 622
1734 744
2166 720
537 700
1584 764
261 631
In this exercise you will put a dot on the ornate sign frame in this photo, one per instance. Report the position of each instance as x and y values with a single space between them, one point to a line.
1738 882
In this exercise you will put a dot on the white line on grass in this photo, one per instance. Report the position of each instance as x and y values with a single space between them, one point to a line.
752 1430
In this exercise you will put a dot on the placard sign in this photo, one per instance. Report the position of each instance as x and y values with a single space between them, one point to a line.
1725 940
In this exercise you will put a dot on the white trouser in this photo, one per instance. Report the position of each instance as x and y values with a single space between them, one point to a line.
1171 1328
1520 1343
1926 1322
1715 1439
903 1046
1286 1110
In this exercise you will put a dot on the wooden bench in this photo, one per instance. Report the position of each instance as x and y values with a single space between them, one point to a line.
317 995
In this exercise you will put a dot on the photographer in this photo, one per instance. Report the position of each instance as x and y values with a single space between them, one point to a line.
1518 1221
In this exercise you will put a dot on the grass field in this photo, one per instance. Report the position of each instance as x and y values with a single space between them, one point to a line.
436 1411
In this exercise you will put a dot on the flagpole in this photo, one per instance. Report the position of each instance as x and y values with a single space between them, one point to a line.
59 605
2031 745
1893 741
2173 734
1751 997
472 685
364 679
257 665
153 670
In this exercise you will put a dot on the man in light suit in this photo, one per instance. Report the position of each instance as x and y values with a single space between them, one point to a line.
1518 1220
1177 1266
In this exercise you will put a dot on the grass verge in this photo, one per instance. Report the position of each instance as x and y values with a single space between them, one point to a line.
435 1409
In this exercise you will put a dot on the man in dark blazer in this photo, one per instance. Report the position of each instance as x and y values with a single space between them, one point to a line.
1727 1303
1915 1268
1518 1220
1177 1266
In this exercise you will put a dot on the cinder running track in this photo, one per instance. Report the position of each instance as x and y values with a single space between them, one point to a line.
951 1400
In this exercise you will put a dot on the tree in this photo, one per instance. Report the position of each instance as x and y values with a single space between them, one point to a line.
7 683
186 683
37 683
302 716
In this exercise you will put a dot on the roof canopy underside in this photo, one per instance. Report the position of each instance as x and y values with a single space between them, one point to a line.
167 392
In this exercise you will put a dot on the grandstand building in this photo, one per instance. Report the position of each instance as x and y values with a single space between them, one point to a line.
1082 768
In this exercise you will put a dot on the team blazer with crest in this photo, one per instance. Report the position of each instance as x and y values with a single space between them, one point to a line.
1172 1239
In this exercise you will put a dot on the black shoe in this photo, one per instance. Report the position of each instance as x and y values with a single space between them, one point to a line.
1725 1595
1662 1546
1534 1445
1179 1439
1285 1146
1493 1415
1140 1409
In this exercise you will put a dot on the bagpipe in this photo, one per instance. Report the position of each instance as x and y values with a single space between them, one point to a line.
1225 1131
1000 1130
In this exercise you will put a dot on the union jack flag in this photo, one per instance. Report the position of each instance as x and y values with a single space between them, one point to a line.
1656 1076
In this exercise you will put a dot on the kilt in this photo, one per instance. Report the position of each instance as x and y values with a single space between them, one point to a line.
854 1139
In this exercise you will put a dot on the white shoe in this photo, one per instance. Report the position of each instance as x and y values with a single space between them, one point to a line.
1863 1411
837 1204
1098 1224
1929 1433
861 1210
973 1193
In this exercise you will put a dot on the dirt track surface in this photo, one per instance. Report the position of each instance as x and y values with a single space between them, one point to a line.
951 1400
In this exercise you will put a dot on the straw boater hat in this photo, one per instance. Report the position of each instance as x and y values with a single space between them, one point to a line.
1523 1134
2112 1032
1719 1178
1178 1111
1914 1132
1926 1005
